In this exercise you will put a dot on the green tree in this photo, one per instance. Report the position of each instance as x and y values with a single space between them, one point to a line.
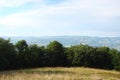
115 58
82 55
21 46
7 55
22 55
22 50
102 58
87 56
55 55
35 56
70 55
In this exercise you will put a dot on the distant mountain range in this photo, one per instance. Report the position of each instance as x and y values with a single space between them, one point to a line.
112 42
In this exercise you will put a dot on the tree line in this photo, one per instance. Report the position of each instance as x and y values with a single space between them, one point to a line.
21 55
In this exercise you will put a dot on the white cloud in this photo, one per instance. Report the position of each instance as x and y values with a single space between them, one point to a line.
69 13
14 3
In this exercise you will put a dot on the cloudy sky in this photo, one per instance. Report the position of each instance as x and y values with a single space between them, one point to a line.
59 17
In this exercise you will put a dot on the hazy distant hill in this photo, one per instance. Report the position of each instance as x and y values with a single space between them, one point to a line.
112 42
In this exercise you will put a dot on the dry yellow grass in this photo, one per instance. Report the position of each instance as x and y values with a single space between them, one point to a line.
59 73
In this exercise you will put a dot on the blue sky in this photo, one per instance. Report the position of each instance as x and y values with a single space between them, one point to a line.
59 17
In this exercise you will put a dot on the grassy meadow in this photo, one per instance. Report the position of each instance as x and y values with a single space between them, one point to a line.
60 73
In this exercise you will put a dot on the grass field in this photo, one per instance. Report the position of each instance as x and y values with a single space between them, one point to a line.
60 73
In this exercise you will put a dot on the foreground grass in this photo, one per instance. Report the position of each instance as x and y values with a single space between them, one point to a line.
60 73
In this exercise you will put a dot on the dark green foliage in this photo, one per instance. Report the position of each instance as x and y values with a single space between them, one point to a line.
70 55
22 50
7 55
32 56
87 56
22 55
55 55
81 55
115 58
35 56
21 46
102 58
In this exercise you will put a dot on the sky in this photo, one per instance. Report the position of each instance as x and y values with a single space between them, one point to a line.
60 17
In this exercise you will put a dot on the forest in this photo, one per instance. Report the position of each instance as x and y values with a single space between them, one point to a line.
21 55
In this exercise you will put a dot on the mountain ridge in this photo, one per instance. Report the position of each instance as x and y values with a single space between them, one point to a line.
112 42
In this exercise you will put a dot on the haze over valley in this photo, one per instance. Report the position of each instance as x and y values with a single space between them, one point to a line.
112 42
